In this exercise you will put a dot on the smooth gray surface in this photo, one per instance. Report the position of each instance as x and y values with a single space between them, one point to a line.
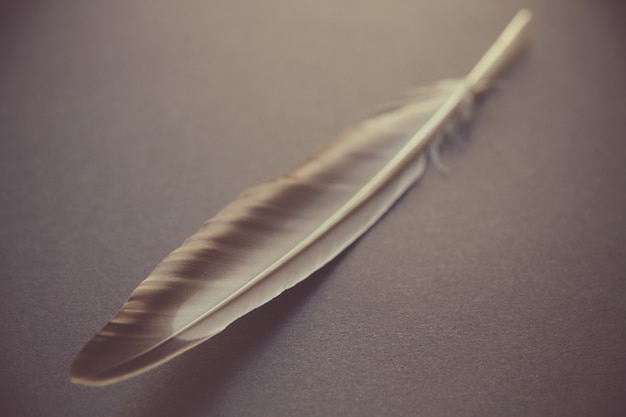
499 290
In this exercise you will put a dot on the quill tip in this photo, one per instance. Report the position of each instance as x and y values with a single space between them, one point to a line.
501 53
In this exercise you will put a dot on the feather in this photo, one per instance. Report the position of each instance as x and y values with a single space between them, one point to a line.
278 233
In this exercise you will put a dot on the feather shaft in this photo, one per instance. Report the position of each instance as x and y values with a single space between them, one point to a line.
278 233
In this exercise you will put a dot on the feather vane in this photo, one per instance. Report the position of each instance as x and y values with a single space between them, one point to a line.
276 234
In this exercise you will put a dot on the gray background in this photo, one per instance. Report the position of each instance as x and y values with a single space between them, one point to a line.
498 290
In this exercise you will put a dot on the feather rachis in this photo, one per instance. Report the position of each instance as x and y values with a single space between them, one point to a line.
275 234
260 200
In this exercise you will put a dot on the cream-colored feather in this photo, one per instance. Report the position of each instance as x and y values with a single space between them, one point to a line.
278 233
